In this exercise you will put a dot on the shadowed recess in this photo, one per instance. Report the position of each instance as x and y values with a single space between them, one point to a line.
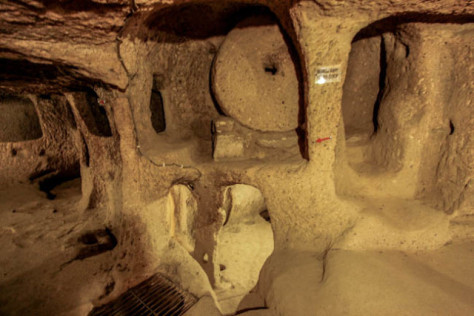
18 120
19 75
390 23
178 22
94 114
158 120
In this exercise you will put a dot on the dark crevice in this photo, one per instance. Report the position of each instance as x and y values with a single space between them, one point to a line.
324 260
95 243
271 69
157 110
265 215
109 288
298 64
228 207
85 152
94 115
50 178
211 92
382 84
49 182
88 239
451 127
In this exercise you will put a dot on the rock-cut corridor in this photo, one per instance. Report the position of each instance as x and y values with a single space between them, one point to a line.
236 157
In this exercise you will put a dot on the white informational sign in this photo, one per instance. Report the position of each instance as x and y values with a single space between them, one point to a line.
328 74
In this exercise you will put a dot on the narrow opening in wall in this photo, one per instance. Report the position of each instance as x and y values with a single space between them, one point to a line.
85 152
18 120
49 182
244 242
364 92
94 114
382 79
157 111
364 87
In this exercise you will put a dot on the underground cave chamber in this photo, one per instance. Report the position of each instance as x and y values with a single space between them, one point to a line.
185 158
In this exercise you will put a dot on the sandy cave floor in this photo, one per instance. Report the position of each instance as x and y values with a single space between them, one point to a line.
38 242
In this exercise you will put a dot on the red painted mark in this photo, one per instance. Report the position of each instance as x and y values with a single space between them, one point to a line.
320 140
101 102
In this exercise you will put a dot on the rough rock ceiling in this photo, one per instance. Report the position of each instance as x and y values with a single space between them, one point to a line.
73 35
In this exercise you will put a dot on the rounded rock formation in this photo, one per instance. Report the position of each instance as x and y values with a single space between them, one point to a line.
254 78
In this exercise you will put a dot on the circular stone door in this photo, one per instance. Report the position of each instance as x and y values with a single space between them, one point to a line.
254 78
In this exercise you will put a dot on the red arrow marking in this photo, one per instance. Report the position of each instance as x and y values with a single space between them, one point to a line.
320 140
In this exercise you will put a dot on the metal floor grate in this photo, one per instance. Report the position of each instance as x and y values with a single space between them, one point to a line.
155 296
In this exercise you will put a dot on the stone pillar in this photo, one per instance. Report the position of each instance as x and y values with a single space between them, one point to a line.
99 155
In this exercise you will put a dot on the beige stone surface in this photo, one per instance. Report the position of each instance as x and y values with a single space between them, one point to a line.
365 282
54 153
184 211
367 181
205 306
243 244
